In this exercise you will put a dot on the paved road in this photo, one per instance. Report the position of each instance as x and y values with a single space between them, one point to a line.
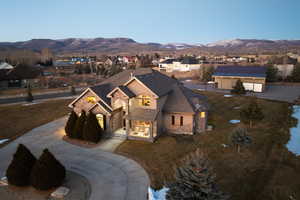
36 97
112 177
273 92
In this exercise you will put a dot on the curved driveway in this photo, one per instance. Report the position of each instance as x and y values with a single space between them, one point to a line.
112 177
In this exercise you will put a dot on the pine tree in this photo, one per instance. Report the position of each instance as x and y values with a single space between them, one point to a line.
239 88
251 113
92 130
194 180
239 137
78 129
18 172
70 125
29 97
47 172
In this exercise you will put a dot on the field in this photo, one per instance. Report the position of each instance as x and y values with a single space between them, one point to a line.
263 170
17 119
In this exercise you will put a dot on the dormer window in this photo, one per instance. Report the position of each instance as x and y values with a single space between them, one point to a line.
144 100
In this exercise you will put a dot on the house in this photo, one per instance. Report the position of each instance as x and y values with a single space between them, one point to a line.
185 64
19 76
252 77
142 104
284 70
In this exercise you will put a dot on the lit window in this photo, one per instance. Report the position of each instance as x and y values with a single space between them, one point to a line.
181 121
202 114
101 120
144 100
91 99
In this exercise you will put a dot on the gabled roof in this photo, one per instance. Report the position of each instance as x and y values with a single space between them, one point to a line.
242 71
125 90
182 99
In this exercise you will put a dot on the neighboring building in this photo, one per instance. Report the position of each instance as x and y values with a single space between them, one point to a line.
185 64
19 76
253 77
284 70
142 104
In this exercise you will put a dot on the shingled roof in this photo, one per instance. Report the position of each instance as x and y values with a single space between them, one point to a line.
243 71
158 83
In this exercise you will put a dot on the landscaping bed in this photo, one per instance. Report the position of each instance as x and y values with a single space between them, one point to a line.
264 170
79 190
18 119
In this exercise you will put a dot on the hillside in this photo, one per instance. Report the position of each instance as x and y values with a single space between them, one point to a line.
127 45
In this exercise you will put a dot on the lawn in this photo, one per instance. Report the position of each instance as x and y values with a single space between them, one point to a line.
18 119
264 170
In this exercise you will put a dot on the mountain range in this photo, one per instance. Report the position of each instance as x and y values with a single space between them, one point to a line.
127 45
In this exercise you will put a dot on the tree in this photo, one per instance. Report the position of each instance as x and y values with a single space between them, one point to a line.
29 97
80 122
238 88
92 131
296 73
18 171
207 73
251 113
239 137
194 180
47 172
271 74
70 125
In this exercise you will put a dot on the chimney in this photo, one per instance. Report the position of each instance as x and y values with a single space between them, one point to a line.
131 75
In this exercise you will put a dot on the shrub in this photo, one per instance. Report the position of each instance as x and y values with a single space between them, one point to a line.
47 172
92 130
78 129
194 180
70 125
18 172
240 137
238 88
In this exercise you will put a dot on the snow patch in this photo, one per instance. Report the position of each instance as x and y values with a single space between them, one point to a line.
29 104
228 95
157 194
3 140
234 121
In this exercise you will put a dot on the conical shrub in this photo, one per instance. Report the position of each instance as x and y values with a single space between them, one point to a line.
70 125
18 172
92 131
78 129
47 172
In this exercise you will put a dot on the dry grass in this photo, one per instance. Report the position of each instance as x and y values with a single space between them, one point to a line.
23 91
16 120
264 170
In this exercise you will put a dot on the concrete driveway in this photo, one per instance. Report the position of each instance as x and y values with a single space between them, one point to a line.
111 176
288 93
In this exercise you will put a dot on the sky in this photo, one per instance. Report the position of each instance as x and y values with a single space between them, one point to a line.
162 21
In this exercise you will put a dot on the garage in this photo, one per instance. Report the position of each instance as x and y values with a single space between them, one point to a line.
256 87
252 77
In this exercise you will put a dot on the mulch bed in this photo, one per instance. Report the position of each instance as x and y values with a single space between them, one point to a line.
80 143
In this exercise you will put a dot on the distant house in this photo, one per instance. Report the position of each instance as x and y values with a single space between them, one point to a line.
19 76
142 104
185 64
284 70
253 77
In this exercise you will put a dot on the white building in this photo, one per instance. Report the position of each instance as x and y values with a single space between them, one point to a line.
183 65
284 70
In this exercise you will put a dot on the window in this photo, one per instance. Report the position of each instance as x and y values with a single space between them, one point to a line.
101 120
91 99
173 120
144 100
202 114
181 121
